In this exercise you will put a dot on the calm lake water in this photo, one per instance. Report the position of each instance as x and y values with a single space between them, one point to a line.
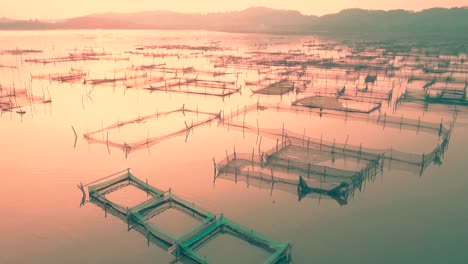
401 216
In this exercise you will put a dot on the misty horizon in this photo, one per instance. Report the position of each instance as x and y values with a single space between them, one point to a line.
11 11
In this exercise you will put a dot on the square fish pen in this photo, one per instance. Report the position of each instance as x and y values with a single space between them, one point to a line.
98 192
308 167
280 252
143 213
196 86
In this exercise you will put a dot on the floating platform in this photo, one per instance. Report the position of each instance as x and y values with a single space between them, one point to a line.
277 88
338 104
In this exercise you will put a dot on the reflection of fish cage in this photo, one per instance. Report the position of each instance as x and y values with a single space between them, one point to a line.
280 252
312 169
140 215
99 191
127 147
182 246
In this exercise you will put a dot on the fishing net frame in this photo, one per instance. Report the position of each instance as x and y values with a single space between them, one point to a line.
280 252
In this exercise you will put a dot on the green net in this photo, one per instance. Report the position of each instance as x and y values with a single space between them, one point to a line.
182 245
99 191
280 252
141 214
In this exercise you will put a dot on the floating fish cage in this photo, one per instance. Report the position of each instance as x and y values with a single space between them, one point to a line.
127 147
73 76
438 95
403 123
99 191
184 245
310 168
140 215
407 161
196 86
280 252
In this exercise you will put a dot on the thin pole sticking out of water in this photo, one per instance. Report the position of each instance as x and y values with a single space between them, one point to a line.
107 142
344 148
215 169
76 136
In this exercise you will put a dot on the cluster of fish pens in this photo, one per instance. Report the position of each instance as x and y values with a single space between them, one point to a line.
306 166
183 246
362 81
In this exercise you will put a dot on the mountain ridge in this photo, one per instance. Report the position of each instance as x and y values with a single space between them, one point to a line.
268 20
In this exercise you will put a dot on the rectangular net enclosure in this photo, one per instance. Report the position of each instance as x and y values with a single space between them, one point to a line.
72 76
100 192
279 252
433 94
418 124
395 158
144 218
196 86
312 170
168 124
143 214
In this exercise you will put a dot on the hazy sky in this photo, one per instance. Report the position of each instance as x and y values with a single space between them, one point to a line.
47 9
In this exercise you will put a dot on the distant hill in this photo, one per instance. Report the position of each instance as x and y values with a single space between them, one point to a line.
10 24
255 19
436 20
351 22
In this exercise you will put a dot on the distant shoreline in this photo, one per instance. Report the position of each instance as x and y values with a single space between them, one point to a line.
437 25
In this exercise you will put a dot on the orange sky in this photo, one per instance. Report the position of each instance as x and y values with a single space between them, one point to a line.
48 9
